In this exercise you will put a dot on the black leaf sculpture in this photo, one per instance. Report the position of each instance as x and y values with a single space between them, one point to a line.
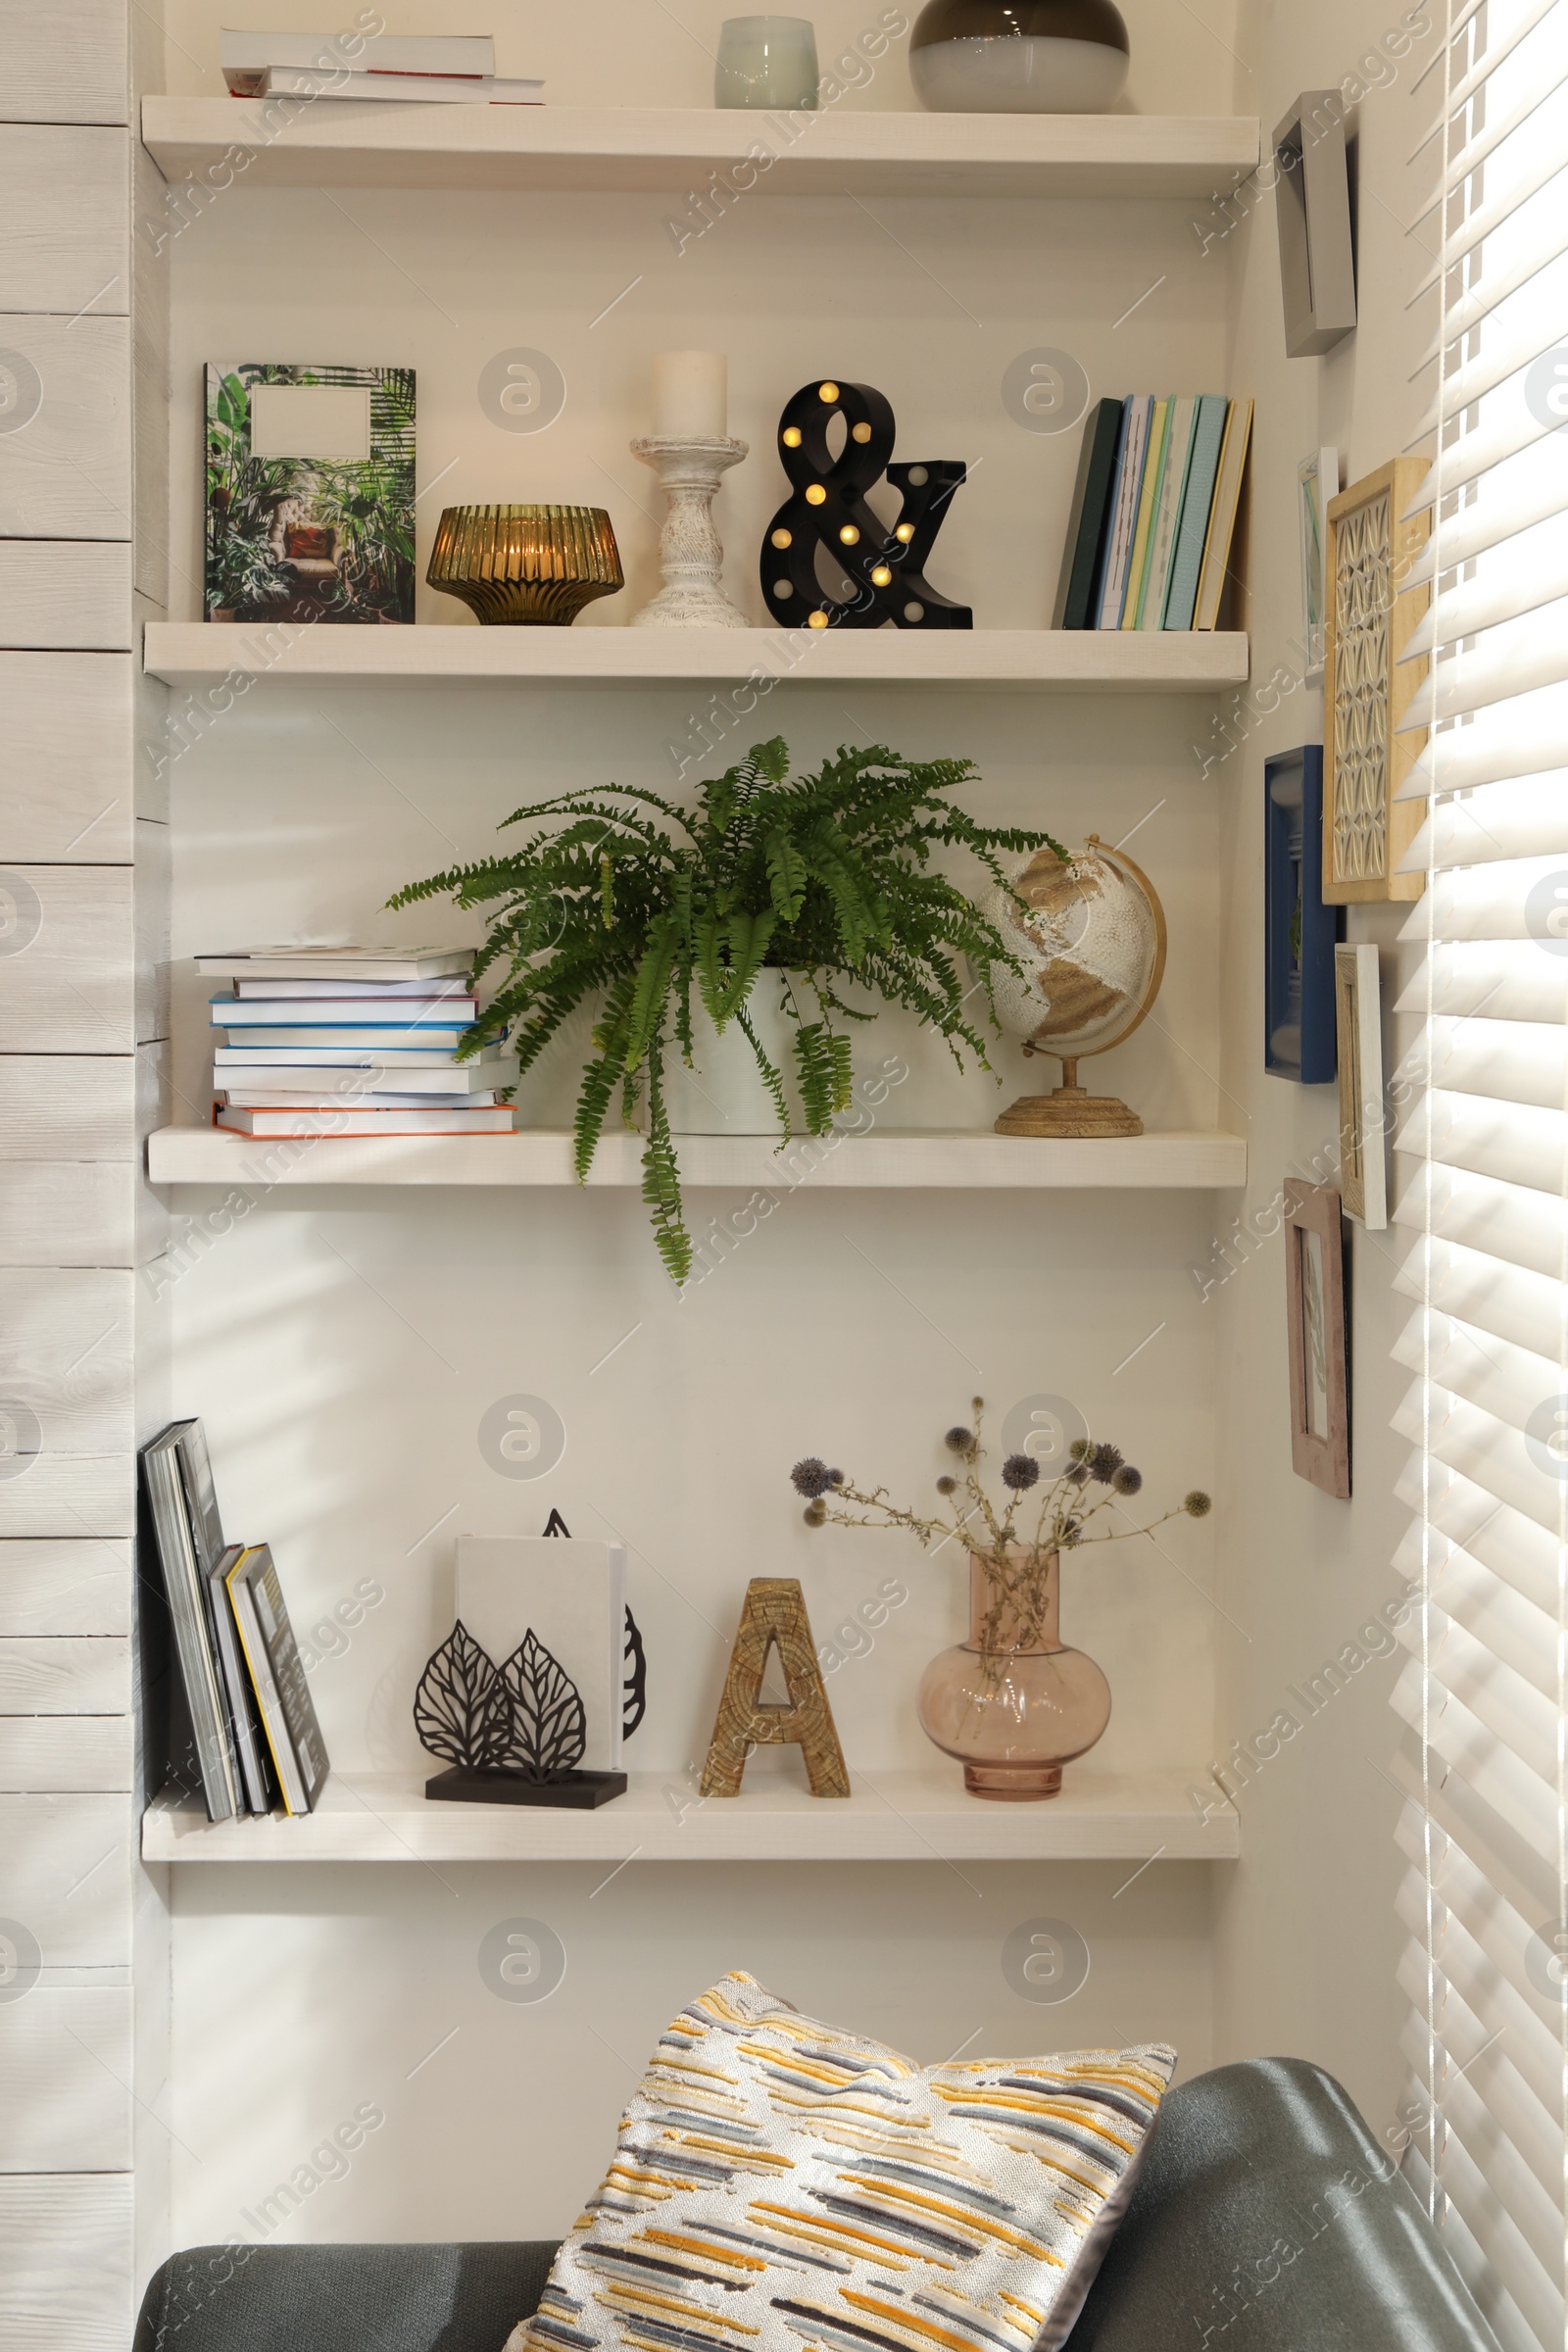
537 1702
455 1710
635 1685
513 1734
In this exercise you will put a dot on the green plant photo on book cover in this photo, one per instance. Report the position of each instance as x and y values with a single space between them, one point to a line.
645 911
310 538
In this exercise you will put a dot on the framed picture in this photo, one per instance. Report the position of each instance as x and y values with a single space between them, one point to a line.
1314 1306
1299 930
1369 618
1317 480
1358 1026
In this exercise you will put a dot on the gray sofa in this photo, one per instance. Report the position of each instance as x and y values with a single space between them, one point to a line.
1266 2217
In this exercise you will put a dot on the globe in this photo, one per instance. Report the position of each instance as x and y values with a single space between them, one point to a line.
1093 949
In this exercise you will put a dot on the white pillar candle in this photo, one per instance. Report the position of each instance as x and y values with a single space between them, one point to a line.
691 396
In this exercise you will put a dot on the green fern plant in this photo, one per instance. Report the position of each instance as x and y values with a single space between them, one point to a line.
618 897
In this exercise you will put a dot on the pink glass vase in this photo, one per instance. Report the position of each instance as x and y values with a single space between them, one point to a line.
1012 1702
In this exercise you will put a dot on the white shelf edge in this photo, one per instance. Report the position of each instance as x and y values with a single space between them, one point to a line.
892 1817
1076 660
1187 1160
835 152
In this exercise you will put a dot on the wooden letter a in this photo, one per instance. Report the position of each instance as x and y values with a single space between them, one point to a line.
774 1612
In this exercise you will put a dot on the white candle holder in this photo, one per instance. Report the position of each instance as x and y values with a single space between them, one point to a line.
691 554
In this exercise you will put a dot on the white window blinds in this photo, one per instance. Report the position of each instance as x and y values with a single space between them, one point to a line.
1484 1692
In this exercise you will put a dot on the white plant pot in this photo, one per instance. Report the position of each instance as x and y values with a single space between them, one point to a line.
725 1091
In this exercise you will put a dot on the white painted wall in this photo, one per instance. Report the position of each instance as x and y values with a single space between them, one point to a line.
1307 1943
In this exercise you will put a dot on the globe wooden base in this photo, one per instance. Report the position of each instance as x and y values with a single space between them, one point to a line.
1069 1112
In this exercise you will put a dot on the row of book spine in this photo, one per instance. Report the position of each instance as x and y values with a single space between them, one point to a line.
253 1729
1153 513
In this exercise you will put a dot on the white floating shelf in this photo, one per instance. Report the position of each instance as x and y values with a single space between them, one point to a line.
345 144
1192 1158
905 1817
1081 661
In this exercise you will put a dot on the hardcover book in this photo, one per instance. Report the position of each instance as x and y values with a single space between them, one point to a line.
309 493
184 1589
283 1695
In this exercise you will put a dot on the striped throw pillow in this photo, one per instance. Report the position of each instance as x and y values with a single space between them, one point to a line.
780 2185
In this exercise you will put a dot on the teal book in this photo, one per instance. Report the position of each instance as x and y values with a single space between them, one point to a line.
1208 435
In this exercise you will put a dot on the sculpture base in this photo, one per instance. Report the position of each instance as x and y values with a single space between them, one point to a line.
1069 1112
690 553
579 1792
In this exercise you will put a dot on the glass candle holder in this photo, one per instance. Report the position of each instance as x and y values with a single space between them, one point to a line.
767 62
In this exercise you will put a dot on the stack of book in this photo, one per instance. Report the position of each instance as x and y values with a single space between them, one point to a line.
248 1721
441 69
352 1041
1154 511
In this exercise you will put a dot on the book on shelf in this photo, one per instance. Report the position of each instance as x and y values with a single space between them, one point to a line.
456 1010
452 1120
1187 556
1084 549
471 54
369 1040
440 988
1147 499
336 964
1222 517
401 89
316 1098
277 1673
213 1558
1131 452
1149 546
331 1071
309 493
191 1616
1167 514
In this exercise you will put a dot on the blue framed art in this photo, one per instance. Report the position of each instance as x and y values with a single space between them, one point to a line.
1298 931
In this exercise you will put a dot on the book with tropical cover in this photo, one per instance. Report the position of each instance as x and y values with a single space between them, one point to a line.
309 493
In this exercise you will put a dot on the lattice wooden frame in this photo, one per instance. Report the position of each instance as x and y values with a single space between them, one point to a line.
1367 689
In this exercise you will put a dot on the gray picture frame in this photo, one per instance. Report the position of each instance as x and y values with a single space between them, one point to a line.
1312 210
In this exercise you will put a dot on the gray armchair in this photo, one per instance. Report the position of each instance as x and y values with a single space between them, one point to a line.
1265 2218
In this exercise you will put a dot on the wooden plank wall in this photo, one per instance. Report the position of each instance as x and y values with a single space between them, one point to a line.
81 349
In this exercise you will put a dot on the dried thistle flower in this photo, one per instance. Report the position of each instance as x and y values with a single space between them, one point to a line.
814 1514
1103 1462
1127 1480
946 1486
960 1440
812 1476
1198 1504
1020 1472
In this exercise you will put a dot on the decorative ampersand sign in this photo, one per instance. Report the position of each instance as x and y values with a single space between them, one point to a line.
828 509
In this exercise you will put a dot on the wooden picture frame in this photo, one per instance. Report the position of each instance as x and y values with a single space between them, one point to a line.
1369 618
1317 480
1314 1308
1358 1024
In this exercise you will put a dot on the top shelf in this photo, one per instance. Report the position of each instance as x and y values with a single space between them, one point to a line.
348 143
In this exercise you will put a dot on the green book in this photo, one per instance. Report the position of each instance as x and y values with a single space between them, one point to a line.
1192 531
1154 472
1167 514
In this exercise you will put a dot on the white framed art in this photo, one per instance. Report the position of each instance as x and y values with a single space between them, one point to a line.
1317 480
